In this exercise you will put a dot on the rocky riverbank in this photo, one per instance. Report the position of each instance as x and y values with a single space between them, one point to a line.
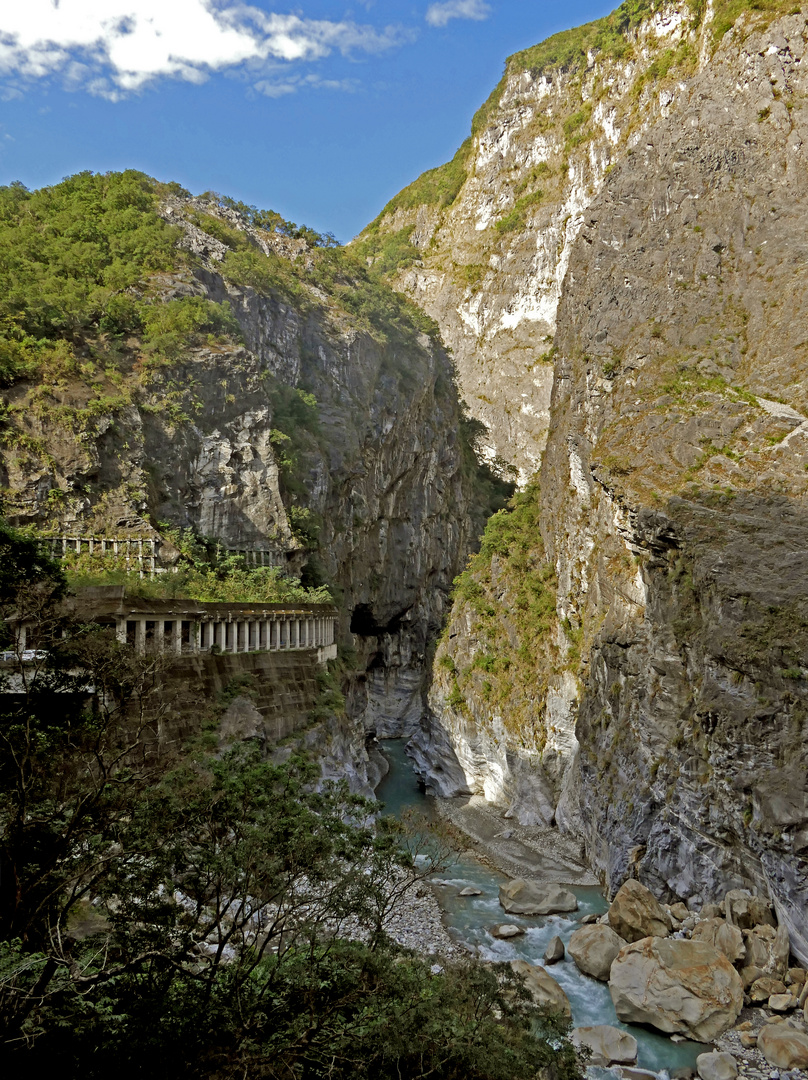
530 851
737 989
416 923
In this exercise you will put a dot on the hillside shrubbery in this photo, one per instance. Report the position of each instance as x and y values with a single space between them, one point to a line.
187 912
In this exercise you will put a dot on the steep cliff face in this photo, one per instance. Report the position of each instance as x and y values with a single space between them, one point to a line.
673 488
484 243
329 431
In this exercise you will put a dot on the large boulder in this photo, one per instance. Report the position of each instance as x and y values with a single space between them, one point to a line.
609 1045
762 989
506 930
687 987
746 911
520 897
716 1066
723 936
636 913
767 949
554 951
542 987
783 1046
593 948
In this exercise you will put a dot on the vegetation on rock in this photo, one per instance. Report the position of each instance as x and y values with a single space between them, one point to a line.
508 593
182 913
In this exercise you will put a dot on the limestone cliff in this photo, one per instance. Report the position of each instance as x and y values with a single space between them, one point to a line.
330 430
483 244
667 722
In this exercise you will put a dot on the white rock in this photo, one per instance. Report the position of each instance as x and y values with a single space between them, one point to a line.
676 986
716 1066
609 1045
507 930
520 897
593 948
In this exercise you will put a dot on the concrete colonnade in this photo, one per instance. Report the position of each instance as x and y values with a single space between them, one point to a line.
149 631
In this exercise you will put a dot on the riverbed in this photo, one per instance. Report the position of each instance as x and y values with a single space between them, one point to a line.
469 921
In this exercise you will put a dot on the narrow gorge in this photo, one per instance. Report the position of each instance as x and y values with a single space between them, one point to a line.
616 258
539 433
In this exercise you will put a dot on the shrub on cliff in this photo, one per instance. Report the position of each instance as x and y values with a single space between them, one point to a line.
209 916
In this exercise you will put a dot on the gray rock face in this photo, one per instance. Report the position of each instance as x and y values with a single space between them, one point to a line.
636 913
609 1045
705 785
594 948
673 482
676 986
520 897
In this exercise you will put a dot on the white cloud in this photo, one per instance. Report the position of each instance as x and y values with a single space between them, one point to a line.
440 14
293 83
114 47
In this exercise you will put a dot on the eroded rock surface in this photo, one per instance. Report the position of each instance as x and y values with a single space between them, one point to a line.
636 913
520 897
676 986
542 987
594 948
609 1045
674 489
783 1046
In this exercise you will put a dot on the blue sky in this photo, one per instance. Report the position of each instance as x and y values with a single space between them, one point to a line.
321 111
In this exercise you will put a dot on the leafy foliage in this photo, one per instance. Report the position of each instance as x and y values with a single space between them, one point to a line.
229 582
509 588
436 187
67 250
219 916
517 215
169 328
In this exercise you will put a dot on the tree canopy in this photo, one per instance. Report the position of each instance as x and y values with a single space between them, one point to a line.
194 912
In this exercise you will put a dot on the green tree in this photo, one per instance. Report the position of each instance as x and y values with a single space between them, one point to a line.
217 915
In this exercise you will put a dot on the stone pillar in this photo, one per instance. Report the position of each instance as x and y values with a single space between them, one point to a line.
196 637
22 637
220 635
120 629
296 633
176 638
267 633
140 634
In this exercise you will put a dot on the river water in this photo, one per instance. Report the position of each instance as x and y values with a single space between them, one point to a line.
469 920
